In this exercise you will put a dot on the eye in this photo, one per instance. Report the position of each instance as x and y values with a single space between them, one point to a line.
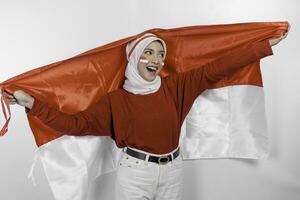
148 52
162 55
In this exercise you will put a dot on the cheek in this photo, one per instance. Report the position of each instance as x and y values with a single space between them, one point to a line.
141 68
160 69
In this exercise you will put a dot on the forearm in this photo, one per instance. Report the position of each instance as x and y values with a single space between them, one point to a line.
63 122
235 60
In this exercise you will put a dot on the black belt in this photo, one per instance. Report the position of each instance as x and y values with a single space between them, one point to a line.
157 159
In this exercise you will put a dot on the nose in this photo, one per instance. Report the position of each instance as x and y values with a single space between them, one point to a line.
155 59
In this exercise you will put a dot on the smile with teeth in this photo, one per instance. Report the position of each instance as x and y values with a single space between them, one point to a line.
152 68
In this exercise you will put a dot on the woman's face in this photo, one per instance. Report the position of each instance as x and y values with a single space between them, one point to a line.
154 53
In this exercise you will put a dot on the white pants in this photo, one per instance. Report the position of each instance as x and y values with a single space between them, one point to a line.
141 180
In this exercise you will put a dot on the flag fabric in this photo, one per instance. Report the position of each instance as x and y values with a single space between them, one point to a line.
226 122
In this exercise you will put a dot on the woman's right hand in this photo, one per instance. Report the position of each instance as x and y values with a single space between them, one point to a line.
274 41
19 97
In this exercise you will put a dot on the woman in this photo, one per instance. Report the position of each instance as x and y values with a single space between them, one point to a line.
145 116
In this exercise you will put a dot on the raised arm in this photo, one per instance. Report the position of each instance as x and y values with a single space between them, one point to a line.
231 62
96 120
187 86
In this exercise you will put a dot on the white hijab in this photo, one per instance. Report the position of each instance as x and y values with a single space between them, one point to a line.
134 82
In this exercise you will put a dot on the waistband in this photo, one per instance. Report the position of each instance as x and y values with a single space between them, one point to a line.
153 154
156 158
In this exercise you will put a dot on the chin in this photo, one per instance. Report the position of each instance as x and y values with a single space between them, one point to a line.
150 78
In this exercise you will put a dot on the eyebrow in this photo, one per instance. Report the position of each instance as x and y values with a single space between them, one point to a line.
153 50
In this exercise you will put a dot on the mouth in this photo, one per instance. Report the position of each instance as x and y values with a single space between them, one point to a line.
152 69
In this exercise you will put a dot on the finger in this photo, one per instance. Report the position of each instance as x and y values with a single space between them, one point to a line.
287 31
284 35
4 91
8 95
288 28
12 102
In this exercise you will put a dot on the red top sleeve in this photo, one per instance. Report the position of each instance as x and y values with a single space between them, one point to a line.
187 86
96 120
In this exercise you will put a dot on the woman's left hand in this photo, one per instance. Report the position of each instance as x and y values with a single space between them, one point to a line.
274 41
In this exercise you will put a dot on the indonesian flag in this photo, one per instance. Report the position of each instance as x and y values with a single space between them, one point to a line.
226 122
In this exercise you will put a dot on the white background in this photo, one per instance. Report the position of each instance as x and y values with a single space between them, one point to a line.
34 33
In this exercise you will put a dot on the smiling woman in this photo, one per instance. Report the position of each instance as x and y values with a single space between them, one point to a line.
154 54
145 60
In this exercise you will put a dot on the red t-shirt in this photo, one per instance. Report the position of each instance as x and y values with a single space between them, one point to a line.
149 122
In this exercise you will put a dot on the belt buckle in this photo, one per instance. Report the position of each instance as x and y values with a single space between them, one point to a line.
163 162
